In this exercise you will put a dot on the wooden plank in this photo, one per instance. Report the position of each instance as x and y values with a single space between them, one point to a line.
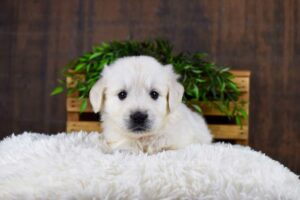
211 111
242 83
72 116
218 131
241 73
83 125
242 142
229 132
245 96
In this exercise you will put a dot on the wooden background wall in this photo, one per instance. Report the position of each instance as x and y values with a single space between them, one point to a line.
38 37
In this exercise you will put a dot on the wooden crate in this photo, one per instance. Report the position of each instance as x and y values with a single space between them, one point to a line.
225 131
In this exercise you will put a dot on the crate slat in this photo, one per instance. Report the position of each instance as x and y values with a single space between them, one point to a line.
241 73
72 116
83 125
218 131
211 111
242 83
229 132
242 142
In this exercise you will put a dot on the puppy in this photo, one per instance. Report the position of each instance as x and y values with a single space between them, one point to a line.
140 101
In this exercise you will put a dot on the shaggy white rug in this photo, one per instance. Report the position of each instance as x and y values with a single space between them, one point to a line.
75 166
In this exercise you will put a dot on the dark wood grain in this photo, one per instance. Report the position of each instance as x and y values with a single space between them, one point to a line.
38 37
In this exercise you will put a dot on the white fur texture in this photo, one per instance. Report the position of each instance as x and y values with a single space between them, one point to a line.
74 166
171 124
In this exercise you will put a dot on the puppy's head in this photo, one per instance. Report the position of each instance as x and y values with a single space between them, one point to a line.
136 94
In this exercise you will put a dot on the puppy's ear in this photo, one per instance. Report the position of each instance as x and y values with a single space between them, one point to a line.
96 95
175 89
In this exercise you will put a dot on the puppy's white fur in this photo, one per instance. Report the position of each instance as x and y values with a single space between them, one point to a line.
171 124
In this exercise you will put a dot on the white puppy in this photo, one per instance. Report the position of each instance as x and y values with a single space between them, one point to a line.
141 106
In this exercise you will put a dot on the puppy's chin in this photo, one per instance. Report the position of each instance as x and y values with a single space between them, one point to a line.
139 131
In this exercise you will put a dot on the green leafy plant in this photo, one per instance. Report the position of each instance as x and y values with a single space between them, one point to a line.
203 81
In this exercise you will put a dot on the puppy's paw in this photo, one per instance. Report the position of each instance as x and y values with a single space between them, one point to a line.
155 149
128 151
126 147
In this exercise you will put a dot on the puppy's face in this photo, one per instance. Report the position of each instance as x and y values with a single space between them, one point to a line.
135 94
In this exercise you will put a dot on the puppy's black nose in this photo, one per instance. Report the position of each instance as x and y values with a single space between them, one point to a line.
139 117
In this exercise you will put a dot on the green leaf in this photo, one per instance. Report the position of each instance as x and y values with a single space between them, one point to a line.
83 105
233 86
198 80
196 91
222 87
197 108
197 71
88 67
95 55
79 66
200 55
238 120
71 91
187 67
244 113
57 90
225 69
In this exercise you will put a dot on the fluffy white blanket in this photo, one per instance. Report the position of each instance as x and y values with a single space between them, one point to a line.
75 166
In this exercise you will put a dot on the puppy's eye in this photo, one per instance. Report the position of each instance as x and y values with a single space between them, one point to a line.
154 95
122 95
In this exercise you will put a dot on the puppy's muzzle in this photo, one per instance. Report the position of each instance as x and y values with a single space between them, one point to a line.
138 121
